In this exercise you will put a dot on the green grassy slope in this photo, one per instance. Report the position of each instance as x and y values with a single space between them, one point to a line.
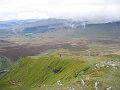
42 73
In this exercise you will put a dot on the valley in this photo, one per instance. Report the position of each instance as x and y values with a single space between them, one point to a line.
55 54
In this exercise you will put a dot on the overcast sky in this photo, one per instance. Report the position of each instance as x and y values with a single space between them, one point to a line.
108 10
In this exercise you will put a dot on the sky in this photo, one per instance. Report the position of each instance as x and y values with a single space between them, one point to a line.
101 10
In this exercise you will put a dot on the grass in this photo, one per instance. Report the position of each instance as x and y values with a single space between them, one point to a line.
41 72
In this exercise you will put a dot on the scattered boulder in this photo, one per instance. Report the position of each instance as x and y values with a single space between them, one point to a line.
70 88
109 88
59 83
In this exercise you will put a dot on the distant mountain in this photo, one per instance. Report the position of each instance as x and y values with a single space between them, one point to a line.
37 26
29 27
4 24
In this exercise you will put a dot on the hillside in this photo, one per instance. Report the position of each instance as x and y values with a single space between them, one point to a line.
80 57
43 71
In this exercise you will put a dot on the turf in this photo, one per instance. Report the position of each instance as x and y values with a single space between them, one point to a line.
41 72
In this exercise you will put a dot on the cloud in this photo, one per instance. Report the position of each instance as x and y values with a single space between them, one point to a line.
107 10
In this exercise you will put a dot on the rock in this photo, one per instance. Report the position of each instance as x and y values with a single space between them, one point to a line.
70 88
96 85
109 88
59 83
82 82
